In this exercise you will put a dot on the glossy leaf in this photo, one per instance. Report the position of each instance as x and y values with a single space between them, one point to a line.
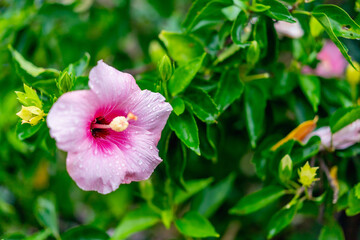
353 203
136 221
178 105
255 201
184 74
278 11
181 47
281 220
212 197
84 233
331 232
78 68
238 32
186 130
194 225
202 105
343 117
192 187
310 85
28 72
255 103
337 23
45 213
230 88
24 131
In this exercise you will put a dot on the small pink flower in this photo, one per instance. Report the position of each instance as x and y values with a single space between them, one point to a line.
332 62
290 30
344 138
110 131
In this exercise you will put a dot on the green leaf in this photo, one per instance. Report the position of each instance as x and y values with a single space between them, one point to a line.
238 33
42 235
301 152
205 12
175 162
353 203
192 187
186 130
24 131
255 201
310 85
28 72
136 221
194 225
331 232
278 11
181 47
337 23
343 117
84 233
78 68
230 88
259 8
281 220
178 105
212 197
184 74
255 104
45 213
201 104
231 12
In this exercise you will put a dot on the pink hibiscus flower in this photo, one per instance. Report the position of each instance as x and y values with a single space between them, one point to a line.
110 131
332 62
344 138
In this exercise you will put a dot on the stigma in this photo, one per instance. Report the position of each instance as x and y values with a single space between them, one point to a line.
118 124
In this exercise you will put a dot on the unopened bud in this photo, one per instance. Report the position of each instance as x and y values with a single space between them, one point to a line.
165 68
253 53
285 168
147 189
352 75
65 82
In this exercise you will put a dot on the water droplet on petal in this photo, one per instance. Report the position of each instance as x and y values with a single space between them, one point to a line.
151 147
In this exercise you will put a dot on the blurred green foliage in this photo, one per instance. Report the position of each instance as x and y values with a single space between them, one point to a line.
237 86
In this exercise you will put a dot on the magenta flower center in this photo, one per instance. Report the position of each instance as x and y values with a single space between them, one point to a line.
100 127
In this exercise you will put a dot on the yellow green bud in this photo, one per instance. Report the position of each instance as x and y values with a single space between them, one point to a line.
307 175
285 169
146 189
316 29
353 76
32 115
29 97
165 68
253 53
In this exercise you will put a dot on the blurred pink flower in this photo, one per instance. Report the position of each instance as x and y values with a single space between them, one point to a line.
110 131
332 62
344 138
290 30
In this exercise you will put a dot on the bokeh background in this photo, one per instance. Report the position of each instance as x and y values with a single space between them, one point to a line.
55 33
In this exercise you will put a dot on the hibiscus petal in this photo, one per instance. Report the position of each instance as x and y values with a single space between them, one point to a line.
69 119
151 110
111 85
134 160
96 171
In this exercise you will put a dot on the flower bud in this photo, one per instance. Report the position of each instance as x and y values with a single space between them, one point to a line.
253 53
285 168
32 115
165 68
146 189
352 75
65 82
307 175
29 97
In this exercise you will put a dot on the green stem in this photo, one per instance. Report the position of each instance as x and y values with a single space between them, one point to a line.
301 12
256 77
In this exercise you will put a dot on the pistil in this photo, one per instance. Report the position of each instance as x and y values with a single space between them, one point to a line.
118 124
